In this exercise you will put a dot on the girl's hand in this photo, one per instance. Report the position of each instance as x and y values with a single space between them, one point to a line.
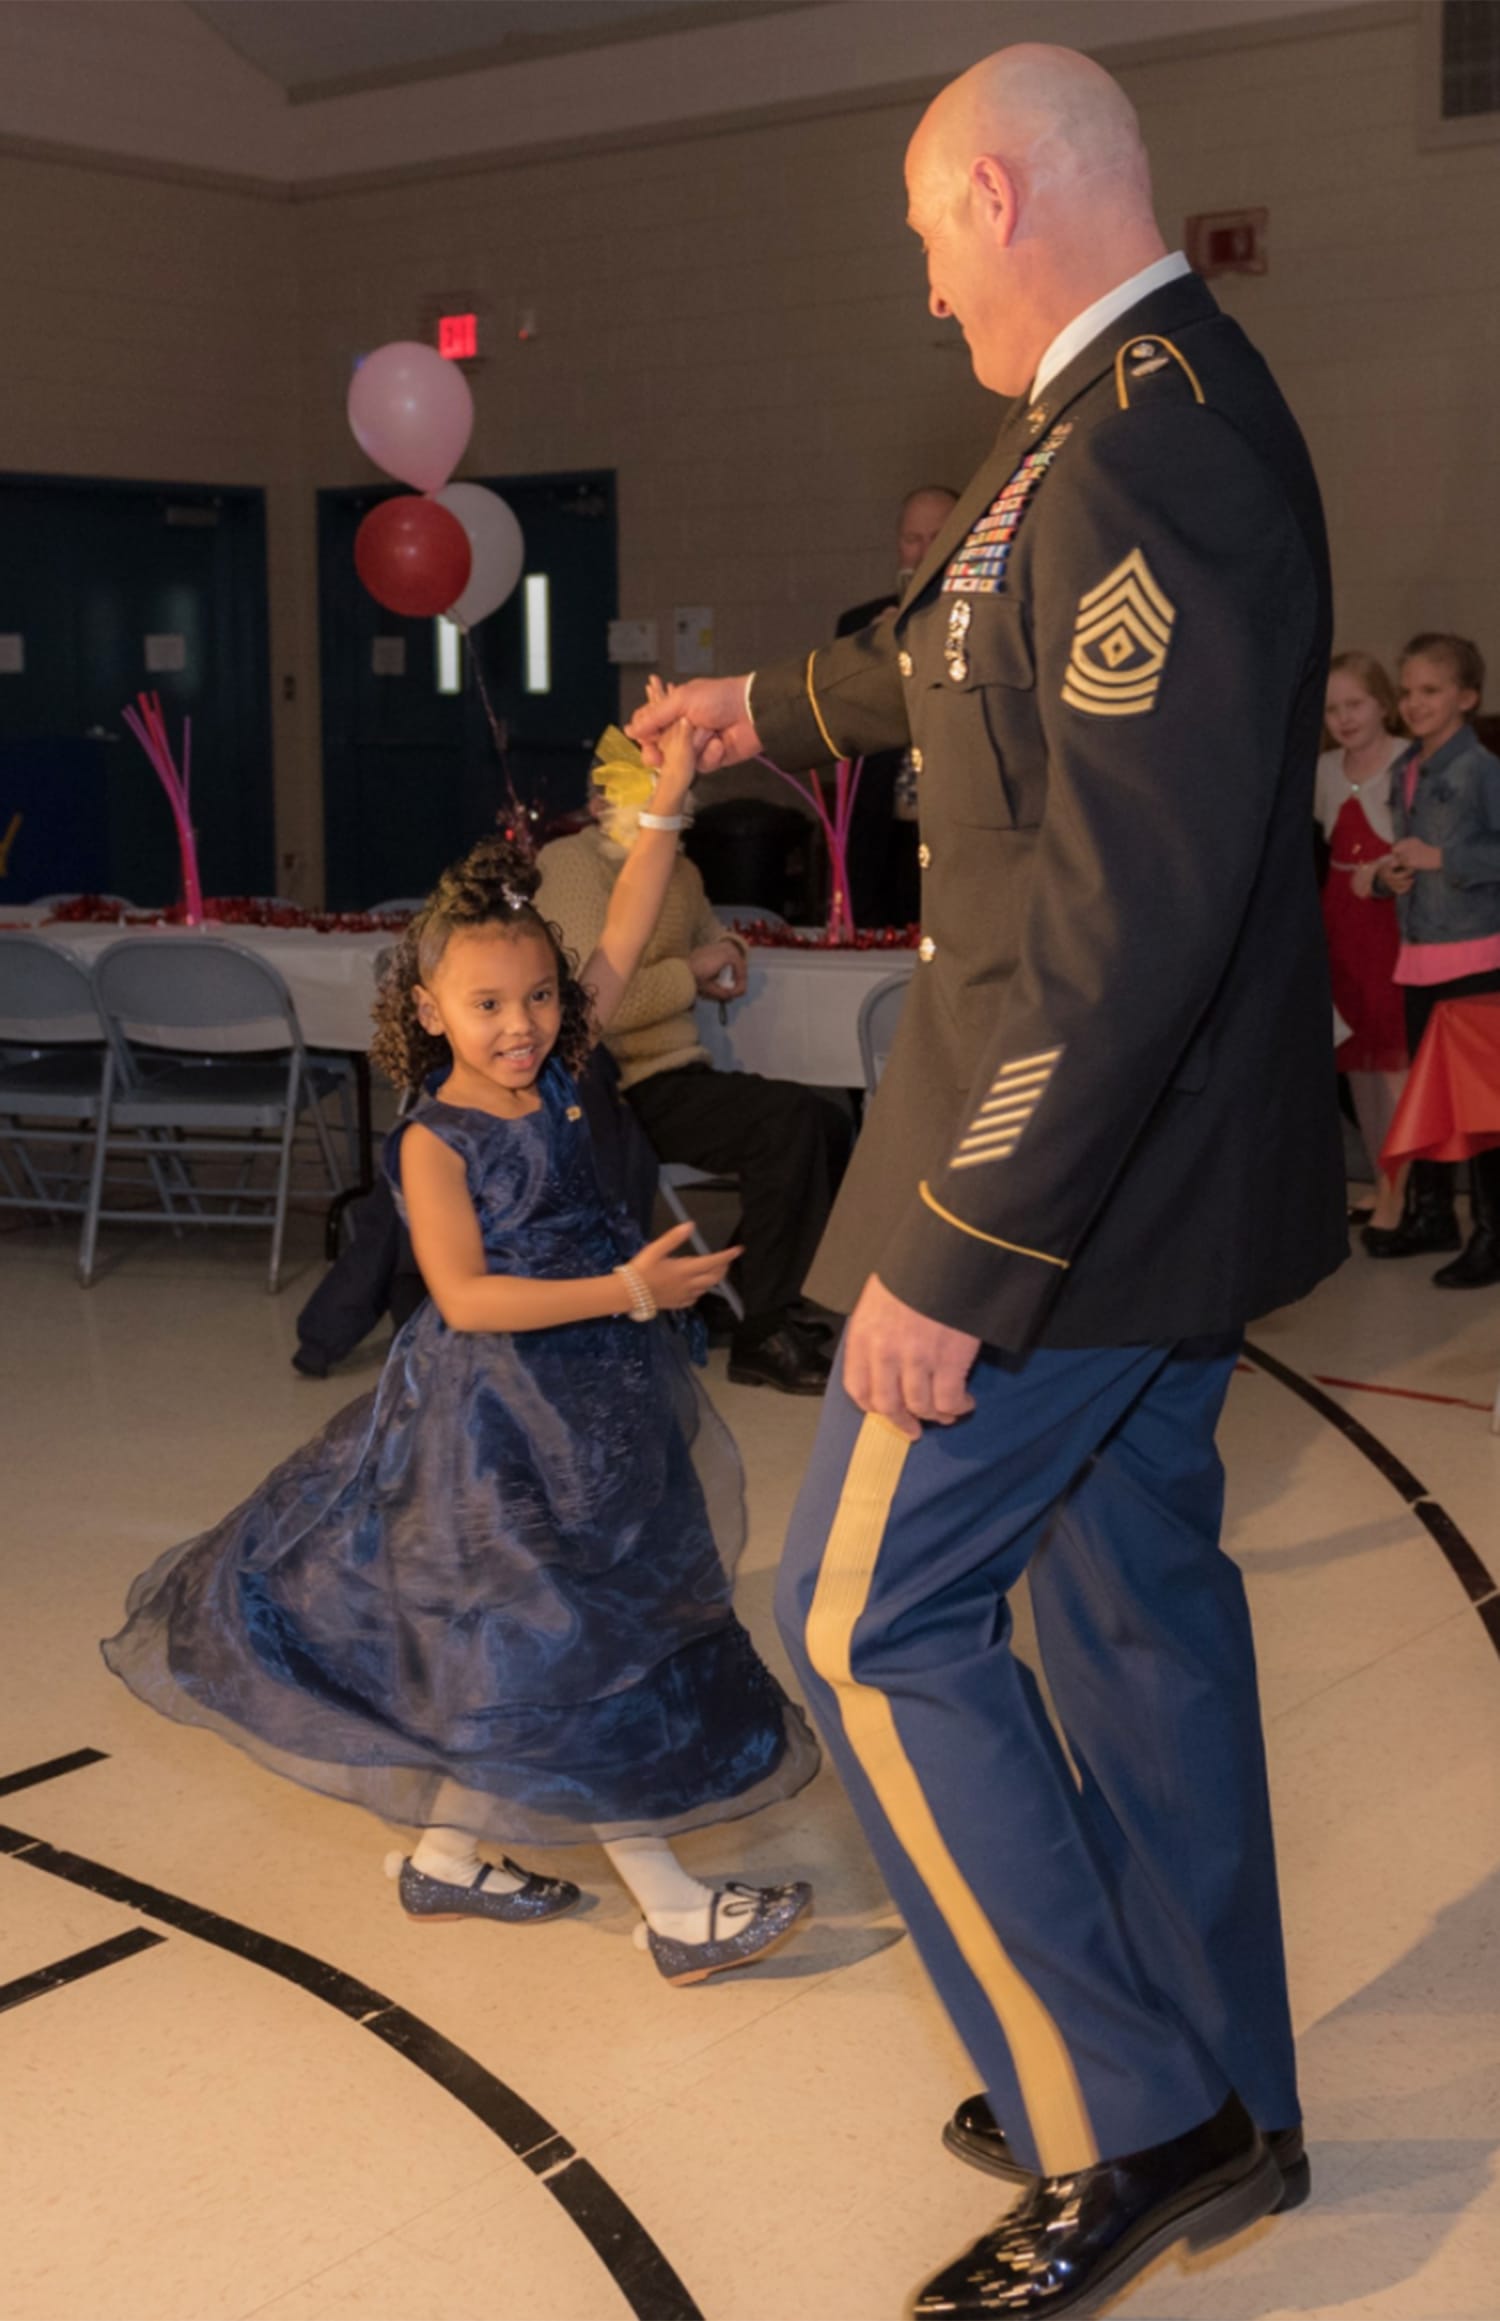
675 754
1416 854
680 1281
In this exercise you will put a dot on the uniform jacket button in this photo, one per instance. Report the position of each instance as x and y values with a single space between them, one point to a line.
924 856
916 759
927 950
904 663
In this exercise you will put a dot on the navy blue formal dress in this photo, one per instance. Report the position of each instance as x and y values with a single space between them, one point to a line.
496 1592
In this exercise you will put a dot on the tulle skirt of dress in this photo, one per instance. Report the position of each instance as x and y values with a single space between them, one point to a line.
494 1594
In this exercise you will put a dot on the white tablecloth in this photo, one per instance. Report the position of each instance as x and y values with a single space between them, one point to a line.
331 977
798 1021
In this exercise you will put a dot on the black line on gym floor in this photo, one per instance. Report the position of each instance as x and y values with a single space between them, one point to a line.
50 1771
621 2242
73 1970
1463 1557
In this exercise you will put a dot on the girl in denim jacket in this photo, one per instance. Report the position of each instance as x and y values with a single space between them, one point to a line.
1445 871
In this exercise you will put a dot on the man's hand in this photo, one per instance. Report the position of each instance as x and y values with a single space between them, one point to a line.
904 1366
708 963
1416 854
715 705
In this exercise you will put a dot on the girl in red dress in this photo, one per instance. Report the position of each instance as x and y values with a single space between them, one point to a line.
1353 807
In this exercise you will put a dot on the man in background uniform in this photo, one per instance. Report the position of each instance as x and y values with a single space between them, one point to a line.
1105 1140
884 884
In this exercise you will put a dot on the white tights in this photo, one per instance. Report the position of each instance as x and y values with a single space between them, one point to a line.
672 1901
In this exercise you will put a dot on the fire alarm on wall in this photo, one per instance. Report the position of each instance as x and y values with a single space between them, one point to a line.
1227 242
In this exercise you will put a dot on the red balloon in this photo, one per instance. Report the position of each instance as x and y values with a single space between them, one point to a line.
413 556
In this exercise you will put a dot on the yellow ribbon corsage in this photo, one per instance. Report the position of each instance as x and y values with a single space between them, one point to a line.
620 771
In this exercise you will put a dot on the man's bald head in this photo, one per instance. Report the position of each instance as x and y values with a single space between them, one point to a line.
1029 185
924 512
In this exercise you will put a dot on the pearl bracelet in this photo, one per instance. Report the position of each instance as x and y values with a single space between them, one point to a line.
643 1306
663 821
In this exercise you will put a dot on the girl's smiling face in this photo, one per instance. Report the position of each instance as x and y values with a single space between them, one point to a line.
1354 717
495 997
1433 702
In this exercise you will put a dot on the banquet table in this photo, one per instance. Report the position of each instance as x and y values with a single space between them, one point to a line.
331 977
1450 1107
799 1019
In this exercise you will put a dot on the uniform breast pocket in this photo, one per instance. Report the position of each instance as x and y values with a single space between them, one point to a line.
986 757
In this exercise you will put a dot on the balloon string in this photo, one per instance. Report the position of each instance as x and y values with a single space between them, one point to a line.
521 818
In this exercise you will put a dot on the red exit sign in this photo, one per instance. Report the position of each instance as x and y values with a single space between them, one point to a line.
458 337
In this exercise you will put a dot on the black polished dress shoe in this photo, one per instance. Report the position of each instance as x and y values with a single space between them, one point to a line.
1075 2241
976 2136
786 1358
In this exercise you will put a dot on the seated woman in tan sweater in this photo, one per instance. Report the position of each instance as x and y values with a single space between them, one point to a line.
786 1144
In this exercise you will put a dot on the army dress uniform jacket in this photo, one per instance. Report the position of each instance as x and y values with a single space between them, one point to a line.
1108 1117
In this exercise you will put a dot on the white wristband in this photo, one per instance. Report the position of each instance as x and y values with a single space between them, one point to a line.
663 821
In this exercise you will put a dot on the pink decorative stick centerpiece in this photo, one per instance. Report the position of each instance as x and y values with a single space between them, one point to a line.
835 826
149 726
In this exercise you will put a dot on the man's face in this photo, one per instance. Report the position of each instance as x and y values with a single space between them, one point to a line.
922 518
966 272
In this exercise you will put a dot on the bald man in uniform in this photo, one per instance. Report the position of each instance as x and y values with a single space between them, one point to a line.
1058 1222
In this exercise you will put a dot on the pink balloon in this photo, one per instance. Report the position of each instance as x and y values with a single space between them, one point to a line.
411 412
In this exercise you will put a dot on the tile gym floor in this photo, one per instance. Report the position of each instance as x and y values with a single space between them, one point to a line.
238 2083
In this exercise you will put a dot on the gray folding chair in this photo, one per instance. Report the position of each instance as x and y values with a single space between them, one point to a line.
675 1179
206 1060
879 1014
52 1060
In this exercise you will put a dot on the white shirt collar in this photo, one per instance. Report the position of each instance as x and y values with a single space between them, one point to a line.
1075 336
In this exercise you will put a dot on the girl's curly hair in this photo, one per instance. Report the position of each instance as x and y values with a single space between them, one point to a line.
494 886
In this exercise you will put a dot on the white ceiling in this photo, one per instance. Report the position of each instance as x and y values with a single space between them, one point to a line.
319 48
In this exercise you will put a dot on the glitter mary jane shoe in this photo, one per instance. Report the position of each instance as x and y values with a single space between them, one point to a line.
744 1923
436 1899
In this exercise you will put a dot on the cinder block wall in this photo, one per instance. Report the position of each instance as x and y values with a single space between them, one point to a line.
737 325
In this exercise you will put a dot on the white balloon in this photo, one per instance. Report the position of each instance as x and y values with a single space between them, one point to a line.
499 550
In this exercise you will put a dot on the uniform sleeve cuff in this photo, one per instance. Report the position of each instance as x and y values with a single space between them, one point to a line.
784 719
997 1291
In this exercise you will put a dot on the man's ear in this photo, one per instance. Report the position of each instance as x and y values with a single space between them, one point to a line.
995 197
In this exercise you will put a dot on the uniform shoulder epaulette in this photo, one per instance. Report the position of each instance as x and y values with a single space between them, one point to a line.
1144 367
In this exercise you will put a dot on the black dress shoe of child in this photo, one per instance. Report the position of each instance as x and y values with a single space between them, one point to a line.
1075 2241
976 2136
1421 1235
744 1923
435 1898
786 1358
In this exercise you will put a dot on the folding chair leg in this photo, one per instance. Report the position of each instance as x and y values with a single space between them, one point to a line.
726 1289
325 1141
283 1182
90 1241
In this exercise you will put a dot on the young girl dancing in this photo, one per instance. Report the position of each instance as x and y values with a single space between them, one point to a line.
492 1599
1352 804
1444 870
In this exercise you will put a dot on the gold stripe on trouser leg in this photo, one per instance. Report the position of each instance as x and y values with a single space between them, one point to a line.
1049 2084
